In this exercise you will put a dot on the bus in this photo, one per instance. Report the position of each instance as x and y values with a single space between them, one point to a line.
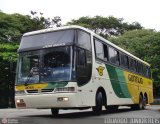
71 67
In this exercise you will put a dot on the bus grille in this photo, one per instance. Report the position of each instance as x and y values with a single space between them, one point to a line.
40 91
32 91
47 90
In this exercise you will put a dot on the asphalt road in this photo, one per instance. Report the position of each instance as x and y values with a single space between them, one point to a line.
43 116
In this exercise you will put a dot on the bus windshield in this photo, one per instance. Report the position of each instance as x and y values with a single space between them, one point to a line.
46 40
46 65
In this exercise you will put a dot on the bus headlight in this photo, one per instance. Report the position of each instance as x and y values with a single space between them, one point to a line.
65 89
62 99
19 92
20 103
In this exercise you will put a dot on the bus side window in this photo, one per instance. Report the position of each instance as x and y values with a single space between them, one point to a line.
105 52
132 64
144 70
117 59
113 56
124 60
81 57
83 66
147 71
99 50
140 68
84 40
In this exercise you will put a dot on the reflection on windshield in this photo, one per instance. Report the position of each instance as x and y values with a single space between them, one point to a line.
45 66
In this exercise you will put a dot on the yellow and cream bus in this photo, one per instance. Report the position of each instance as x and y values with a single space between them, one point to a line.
73 68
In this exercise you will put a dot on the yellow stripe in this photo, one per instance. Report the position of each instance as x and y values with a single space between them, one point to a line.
31 86
137 84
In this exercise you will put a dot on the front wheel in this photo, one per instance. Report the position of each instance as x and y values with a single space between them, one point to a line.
99 102
54 111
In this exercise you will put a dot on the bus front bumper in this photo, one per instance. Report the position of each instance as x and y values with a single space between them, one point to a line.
59 100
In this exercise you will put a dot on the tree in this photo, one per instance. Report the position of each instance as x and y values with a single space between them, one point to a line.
144 44
106 26
7 78
41 22
13 26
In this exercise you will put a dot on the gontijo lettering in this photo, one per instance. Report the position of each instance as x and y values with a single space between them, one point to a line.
134 78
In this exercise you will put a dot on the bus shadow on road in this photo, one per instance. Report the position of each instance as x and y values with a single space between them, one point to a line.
83 114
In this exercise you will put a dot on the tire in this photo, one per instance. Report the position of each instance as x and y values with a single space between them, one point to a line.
144 102
99 103
141 105
54 111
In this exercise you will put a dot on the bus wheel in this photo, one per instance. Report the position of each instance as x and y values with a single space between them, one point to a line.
139 106
144 102
141 103
99 102
54 111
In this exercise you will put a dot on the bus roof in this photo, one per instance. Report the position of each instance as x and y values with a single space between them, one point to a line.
87 30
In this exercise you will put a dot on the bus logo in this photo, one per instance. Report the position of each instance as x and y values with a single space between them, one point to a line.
134 78
100 70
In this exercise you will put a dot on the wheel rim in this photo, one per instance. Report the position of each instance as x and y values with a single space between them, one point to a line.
144 103
140 103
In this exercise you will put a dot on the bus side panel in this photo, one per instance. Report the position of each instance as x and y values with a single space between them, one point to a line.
138 84
114 84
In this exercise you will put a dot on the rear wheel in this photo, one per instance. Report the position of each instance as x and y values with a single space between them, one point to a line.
54 111
144 102
141 105
99 102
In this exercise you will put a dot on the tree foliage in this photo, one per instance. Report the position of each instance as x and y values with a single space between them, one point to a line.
106 26
144 44
7 54
12 27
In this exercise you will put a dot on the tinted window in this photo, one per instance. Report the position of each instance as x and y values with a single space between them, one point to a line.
84 40
83 66
117 58
99 49
140 68
44 65
144 70
48 39
124 60
105 49
132 64
81 59
113 56
148 72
